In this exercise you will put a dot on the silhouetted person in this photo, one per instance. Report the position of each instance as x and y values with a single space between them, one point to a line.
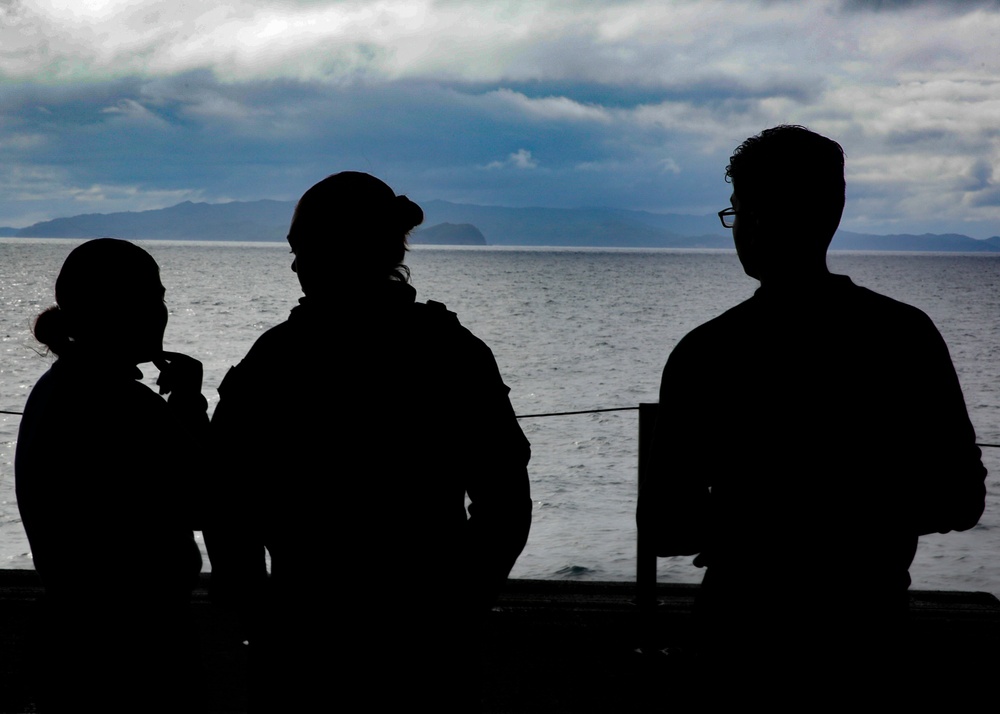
806 437
351 437
104 471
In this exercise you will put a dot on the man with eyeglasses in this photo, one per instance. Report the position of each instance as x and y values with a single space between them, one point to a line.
805 438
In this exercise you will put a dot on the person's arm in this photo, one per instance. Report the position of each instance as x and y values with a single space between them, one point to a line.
949 491
181 378
498 487
232 533
674 499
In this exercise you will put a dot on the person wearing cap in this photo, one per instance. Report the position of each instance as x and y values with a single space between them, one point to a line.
349 440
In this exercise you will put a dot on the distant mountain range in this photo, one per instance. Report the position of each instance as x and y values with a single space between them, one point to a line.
267 220
253 221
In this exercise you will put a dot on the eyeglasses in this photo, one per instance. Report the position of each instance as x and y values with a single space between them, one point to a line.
728 217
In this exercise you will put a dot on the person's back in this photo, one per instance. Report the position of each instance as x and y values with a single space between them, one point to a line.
379 443
356 484
832 418
806 438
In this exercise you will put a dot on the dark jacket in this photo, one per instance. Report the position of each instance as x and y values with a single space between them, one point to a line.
349 441
107 476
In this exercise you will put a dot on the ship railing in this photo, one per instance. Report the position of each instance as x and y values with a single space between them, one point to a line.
645 576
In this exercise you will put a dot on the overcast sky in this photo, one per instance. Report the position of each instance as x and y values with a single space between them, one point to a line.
113 105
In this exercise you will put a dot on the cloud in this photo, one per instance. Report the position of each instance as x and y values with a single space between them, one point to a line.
553 108
670 166
978 177
520 159
21 141
639 42
31 194
960 6
133 113
633 103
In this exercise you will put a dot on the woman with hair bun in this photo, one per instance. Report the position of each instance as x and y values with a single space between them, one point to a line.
350 438
104 465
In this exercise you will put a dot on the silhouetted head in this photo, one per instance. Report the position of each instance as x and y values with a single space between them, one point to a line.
350 227
789 191
109 303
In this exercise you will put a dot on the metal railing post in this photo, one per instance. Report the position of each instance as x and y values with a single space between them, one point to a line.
645 570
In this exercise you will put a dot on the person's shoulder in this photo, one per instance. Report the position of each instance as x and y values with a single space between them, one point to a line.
43 387
727 327
862 294
451 342
275 345
274 340
84 401
435 316
122 398
436 313
268 354
709 346
888 311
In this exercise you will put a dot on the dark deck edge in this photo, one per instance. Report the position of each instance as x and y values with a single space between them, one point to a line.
551 645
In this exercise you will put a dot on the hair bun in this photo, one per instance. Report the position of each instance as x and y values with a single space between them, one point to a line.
406 213
52 330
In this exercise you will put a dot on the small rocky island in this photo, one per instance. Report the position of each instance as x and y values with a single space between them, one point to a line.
448 234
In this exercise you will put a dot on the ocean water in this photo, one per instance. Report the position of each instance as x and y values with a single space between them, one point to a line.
571 329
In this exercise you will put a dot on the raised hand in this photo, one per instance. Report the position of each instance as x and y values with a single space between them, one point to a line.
178 373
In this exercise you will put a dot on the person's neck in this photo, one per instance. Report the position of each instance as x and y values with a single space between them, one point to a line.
359 290
795 277
103 361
